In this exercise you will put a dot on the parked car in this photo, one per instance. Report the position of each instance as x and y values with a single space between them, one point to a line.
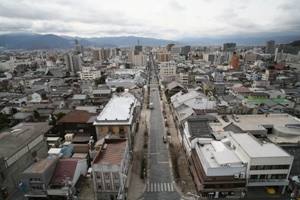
235 118
165 139
224 117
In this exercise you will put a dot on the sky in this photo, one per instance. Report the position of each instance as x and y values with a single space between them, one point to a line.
160 19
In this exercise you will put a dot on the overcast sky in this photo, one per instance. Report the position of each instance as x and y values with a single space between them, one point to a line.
161 19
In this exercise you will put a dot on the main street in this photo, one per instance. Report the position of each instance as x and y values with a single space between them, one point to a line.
159 183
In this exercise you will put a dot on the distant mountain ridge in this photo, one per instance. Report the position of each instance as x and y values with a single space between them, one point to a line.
51 41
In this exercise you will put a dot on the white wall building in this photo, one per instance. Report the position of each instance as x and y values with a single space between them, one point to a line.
168 68
89 73
110 169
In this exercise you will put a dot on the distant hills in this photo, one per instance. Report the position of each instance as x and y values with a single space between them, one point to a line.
50 41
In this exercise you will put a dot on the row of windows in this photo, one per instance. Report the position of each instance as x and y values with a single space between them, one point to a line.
269 167
108 186
107 175
268 176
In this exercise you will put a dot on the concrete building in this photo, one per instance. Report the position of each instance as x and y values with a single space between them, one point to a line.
163 57
229 47
117 118
19 148
270 47
89 73
36 178
267 164
78 48
235 60
168 68
183 78
176 50
110 170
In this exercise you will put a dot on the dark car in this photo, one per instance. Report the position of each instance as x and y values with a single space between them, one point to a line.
225 118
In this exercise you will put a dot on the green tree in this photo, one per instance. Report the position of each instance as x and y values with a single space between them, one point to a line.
60 115
36 115
120 89
4 121
44 96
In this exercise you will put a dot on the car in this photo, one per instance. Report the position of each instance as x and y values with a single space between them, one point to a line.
165 139
235 118
224 117
270 190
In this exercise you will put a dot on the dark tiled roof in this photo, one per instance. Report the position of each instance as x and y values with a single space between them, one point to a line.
79 116
199 127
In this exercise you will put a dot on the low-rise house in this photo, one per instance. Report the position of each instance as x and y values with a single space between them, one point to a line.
270 106
65 176
259 101
110 170
258 95
40 85
240 91
77 121
175 87
101 96
79 99
20 117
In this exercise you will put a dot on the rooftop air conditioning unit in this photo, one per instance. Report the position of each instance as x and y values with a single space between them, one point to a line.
242 175
236 175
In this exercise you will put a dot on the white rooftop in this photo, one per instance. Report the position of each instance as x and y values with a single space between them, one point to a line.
255 149
116 109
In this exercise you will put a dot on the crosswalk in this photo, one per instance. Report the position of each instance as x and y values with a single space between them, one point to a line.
160 187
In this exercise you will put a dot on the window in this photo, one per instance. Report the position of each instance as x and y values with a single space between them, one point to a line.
116 175
106 176
99 185
117 186
108 186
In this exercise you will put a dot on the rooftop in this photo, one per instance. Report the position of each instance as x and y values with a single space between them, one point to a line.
281 100
40 166
117 109
77 116
112 153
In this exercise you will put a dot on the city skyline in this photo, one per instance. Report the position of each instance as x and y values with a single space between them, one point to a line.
157 19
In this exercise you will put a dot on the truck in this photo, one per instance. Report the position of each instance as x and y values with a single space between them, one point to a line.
151 105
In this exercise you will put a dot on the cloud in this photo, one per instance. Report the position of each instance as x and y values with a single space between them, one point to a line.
171 19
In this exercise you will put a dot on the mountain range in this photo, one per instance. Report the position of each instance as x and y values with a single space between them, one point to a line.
51 41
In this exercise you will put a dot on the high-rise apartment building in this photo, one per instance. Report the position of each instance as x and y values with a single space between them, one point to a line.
235 60
229 47
270 47
95 54
78 48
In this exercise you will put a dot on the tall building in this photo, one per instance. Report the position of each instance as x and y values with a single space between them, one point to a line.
270 47
229 47
235 60
138 48
185 50
78 48
96 53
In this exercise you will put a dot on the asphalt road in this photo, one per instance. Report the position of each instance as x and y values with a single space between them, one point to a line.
160 185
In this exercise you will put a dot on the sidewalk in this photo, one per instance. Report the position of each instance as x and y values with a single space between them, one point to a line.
185 182
137 186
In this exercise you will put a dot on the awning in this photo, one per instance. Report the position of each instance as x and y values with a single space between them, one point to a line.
196 179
